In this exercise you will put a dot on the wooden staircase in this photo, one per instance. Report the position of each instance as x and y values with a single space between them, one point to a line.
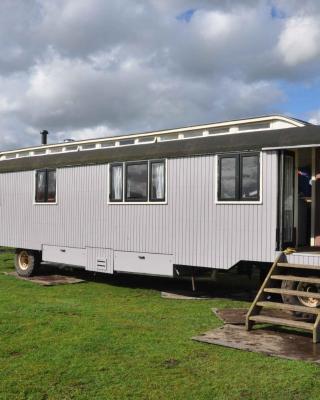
278 272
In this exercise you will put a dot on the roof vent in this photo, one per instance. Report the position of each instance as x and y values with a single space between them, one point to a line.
68 140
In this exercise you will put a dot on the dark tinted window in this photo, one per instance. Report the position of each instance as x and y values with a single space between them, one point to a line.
45 186
250 177
137 182
157 186
228 176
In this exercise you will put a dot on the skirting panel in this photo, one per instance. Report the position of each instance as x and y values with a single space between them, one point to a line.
143 263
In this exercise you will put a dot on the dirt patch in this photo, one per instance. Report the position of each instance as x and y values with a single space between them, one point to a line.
48 280
236 316
172 362
185 295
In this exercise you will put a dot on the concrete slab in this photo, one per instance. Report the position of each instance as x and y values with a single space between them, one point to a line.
48 280
297 346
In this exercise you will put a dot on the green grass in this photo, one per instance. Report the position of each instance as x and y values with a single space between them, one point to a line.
103 340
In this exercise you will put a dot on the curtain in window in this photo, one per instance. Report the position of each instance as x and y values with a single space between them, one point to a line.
41 186
116 188
46 186
157 187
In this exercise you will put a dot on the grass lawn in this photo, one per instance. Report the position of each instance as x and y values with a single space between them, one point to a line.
105 340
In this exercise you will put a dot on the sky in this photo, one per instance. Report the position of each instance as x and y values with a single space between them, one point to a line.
92 68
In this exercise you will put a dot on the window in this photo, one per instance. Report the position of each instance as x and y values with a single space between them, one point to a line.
239 177
249 177
45 186
228 178
116 182
157 187
142 181
252 127
137 182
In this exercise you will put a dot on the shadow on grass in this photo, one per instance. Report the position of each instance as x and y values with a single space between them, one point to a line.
228 285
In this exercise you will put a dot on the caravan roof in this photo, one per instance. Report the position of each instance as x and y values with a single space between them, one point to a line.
246 134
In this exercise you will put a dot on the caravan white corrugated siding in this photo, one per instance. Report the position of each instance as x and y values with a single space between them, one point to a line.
192 227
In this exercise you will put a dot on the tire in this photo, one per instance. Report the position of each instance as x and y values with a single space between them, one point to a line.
27 262
294 300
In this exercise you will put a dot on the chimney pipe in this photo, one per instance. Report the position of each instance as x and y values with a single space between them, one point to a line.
44 135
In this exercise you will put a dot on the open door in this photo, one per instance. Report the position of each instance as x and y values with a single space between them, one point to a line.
316 199
286 229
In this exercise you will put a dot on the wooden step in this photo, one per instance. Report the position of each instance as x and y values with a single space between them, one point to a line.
289 307
292 292
300 266
296 278
263 319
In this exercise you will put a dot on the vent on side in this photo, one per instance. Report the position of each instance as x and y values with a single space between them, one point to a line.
101 264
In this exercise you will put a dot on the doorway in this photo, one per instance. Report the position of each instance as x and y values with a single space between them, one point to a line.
299 199
315 210
286 215
304 198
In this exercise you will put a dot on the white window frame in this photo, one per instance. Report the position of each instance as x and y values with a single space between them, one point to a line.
233 202
123 202
46 203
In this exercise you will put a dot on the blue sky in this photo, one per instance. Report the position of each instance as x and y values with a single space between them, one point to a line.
276 12
301 99
186 15
91 68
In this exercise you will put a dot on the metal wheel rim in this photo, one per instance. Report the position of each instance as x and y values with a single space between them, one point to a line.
23 260
310 302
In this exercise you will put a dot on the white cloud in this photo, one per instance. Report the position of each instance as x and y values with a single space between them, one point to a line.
214 25
315 117
250 99
86 133
299 41
90 68
6 106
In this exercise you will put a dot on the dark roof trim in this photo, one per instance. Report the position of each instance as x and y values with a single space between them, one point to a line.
307 135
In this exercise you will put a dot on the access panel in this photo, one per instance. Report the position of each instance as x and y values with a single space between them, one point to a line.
64 255
143 263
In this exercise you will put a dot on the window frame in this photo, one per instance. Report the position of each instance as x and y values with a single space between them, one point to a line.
46 202
238 199
149 201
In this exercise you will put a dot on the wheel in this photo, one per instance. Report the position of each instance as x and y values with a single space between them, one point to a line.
301 301
310 288
26 262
